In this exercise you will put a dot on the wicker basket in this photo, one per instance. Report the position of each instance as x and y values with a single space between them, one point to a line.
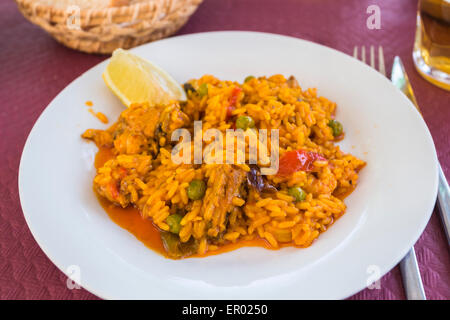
95 30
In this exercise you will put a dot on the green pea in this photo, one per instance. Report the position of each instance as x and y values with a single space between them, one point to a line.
202 90
336 127
249 78
244 122
196 189
297 193
174 223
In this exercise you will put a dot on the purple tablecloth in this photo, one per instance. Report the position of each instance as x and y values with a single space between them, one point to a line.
35 68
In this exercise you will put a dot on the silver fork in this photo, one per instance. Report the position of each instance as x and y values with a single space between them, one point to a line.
408 266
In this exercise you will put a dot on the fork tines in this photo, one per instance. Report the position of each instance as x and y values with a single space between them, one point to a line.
381 67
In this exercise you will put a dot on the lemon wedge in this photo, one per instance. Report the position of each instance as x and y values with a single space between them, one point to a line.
134 79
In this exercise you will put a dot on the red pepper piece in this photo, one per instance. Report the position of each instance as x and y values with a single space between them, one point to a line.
122 172
232 101
230 110
293 161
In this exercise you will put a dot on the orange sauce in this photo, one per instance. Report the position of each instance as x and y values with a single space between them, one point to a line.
100 116
131 220
89 103
145 231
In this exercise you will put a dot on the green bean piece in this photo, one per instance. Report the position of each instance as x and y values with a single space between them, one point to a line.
202 90
247 79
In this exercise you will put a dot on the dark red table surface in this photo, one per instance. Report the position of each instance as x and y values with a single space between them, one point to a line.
34 69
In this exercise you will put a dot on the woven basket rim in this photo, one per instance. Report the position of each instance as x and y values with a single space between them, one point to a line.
36 4
102 30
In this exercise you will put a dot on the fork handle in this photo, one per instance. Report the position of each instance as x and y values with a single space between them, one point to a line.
444 202
411 277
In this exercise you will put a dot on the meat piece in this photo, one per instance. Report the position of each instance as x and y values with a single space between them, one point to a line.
171 118
101 138
139 128
219 195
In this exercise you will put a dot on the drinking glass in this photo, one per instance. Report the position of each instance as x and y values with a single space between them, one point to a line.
431 53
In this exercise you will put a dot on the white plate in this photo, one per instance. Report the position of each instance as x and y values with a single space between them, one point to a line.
386 214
